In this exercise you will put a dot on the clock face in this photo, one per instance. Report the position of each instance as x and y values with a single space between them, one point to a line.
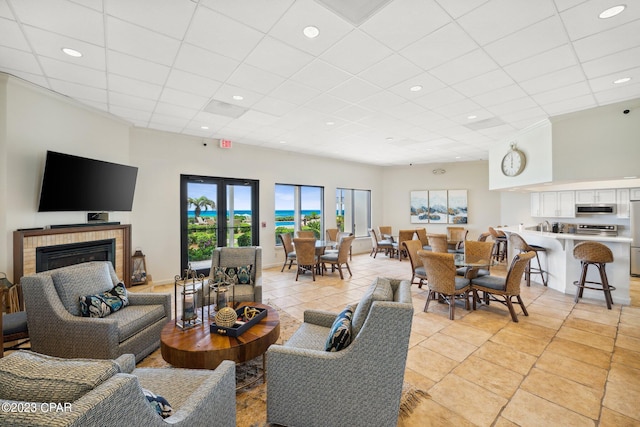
513 163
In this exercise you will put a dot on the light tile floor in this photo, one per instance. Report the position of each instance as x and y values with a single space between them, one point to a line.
566 364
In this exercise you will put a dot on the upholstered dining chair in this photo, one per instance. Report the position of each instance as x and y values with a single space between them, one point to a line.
339 259
417 269
306 256
342 235
379 246
438 243
456 237
443 281
475 251
289 251
385 230
507 287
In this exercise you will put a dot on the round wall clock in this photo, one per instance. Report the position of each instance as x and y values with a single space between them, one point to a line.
513 162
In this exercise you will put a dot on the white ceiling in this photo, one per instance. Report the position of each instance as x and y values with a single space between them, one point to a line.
159 64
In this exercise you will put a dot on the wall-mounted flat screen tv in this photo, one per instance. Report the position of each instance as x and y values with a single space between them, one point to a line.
72 183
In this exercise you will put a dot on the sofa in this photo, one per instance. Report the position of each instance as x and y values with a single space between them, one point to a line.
40 390
57 328
357 385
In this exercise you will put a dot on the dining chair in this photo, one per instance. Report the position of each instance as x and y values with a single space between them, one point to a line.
403 235
332 234
520 245
339 259
385 231
456 237
438 243
422 236
379 246
417 269
289 251
306 257
441 271
342 235
475 251
306 234
504 287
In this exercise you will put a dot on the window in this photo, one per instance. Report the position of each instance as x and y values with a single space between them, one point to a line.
201 199
353 211
298 207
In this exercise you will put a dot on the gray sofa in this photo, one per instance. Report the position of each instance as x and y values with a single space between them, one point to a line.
91 392
57 329
360 385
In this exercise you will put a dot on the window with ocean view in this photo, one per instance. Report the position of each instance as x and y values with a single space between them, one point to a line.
353 211
298 207
202 199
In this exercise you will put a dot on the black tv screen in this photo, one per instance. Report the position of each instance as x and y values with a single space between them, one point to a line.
72 183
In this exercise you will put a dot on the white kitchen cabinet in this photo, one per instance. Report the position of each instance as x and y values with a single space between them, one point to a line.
535 205
558 204
622 208
634 194
595 196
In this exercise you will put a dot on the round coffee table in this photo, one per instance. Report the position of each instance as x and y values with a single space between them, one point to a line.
197 348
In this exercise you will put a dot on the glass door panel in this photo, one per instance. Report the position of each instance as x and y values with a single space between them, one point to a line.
239 227
201 223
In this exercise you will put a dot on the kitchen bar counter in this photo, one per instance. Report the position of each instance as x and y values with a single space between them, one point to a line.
564 269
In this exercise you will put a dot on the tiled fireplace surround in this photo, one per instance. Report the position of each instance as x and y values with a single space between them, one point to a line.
26 242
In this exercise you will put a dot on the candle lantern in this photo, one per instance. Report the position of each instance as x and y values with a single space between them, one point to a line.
138 268
219 291
187 287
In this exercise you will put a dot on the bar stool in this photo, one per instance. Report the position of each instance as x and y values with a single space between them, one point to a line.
521 245
501 240
593 253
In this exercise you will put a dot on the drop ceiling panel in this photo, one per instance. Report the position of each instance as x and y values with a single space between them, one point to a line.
353 90
254 79
136 68
205 63
553 80
134 87
256 13
11 35
582 20
140 42
294 93
191 83
79 91
455 71
71 19
441 46
217 33
274 56
611 41
543 63
73 73
356 52
274 106
485 83
166 17
13 59
188 100
50 45
397 28
321 75
379 74
616 63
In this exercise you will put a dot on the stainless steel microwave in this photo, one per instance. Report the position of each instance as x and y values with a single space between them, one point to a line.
596 209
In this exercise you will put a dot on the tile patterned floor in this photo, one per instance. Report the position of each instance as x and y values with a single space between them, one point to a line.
566 364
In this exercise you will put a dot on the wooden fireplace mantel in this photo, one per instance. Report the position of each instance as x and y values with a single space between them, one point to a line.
25 243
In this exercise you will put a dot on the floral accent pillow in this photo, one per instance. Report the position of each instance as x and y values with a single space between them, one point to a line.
235 275
104 304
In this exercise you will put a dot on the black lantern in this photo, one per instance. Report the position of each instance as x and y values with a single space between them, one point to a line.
139 268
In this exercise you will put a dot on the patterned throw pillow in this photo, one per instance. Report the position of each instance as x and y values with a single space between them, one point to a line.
340 334
104 304
159 403
235 275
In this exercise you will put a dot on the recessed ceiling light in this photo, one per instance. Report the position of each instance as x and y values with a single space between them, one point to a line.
238 97
472 117
283 142
311 32
330 123
457 157
415 88
71 52
612 11
389 139
630 177
621 80
204 127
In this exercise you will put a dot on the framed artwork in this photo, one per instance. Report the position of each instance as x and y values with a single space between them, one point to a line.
419 207
438 206
457 203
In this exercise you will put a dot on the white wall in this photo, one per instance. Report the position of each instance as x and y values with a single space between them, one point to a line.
37 120
162 157
484 205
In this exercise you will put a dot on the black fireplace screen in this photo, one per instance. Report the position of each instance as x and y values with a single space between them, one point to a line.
50 257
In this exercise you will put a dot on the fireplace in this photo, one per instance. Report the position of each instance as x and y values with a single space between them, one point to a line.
56 256
27 242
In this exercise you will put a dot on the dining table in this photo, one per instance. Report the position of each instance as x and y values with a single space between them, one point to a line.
472 266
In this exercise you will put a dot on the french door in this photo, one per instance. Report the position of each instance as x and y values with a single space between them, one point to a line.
216 212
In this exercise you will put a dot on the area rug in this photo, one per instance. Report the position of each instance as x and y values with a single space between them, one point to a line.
251 401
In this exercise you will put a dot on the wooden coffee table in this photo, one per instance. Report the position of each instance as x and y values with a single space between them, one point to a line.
197 348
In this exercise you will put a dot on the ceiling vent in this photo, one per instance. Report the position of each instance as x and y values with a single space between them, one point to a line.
485 124
354 11
439 171
225 109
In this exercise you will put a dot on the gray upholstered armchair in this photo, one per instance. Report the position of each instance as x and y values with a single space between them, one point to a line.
360 385
238 257
56 327
93 392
